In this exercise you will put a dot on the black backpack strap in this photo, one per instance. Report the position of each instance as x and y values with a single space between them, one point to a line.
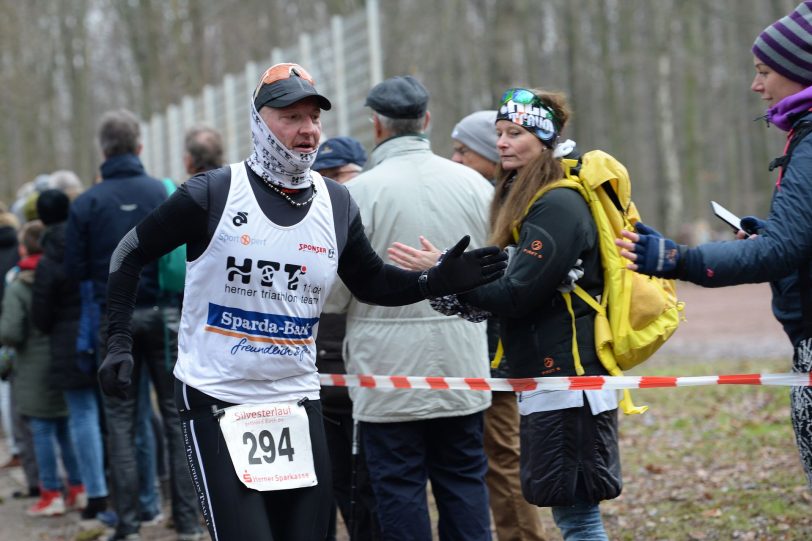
800 131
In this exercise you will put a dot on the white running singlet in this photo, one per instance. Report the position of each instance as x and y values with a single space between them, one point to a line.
253 298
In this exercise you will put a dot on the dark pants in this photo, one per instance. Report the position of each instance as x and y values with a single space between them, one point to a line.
357 505
234 512
448 451
153 353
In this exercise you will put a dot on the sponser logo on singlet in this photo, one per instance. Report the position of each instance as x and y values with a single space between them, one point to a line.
260 327
320 250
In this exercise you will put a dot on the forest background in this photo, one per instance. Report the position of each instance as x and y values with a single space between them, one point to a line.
663 85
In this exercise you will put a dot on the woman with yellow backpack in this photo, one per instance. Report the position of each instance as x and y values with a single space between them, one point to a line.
570 459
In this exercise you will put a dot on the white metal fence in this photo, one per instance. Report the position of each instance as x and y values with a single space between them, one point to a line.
345 60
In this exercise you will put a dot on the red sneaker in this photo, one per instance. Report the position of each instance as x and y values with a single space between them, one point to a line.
77 497
50 504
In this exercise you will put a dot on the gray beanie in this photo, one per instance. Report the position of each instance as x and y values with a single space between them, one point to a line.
477 131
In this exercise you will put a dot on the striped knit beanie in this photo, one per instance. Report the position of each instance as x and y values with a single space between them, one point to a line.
786 45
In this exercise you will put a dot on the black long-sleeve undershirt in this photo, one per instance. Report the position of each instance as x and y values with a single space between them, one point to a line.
190 216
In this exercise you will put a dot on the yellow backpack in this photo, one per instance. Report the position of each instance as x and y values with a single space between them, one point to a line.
636 313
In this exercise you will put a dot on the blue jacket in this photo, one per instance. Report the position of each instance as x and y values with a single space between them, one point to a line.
777 253
100 217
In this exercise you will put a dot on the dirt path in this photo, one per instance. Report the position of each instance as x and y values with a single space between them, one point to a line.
728 322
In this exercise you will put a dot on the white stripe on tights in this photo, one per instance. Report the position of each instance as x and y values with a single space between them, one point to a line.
200 465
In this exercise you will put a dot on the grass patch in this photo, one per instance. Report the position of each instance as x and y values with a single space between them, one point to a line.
713 462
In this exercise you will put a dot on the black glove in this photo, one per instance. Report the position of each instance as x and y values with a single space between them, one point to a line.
460 271
656 255
752 225
115 371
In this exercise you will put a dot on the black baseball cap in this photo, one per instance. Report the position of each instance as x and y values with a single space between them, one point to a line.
285 84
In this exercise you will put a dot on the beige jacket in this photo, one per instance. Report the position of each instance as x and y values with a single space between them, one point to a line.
410 192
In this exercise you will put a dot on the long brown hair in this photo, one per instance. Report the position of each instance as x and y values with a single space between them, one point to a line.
515 190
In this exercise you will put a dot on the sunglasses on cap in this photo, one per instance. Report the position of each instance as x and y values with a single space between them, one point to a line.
280 72
284 84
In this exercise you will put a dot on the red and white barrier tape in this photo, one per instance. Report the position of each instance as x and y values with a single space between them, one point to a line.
573 383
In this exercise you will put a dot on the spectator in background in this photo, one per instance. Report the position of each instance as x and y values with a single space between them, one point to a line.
474 140
203 150
21 445
569 457
25 204
341 159
37 399
8 259
99 218
67 182
411 437
56 308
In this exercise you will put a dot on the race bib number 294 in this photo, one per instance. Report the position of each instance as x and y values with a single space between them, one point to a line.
270 445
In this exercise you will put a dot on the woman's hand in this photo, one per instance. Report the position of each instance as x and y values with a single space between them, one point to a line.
410 258
649 252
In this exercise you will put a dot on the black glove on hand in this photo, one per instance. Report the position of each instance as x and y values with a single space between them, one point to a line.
656 255
460 271
752 225
115 372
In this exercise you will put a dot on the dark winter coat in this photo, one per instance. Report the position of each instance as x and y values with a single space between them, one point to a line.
31 381
567 455
102 215
534 324
55 308
8 253
776 254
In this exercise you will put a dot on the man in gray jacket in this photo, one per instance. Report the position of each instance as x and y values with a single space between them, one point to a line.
411 436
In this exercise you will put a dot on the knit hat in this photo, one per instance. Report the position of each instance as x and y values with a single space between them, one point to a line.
786 45
477 132
52 206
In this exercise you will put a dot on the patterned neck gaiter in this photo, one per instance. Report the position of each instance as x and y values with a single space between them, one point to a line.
275 163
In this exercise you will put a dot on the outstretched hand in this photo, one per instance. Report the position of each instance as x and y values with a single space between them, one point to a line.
460 271
649 252
414 259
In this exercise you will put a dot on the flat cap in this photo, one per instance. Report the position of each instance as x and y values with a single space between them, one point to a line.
399 97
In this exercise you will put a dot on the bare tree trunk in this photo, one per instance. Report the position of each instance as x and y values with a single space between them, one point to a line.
672 203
